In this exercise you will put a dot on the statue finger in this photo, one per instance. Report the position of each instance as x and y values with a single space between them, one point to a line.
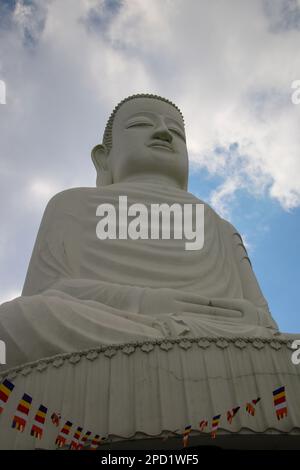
190 297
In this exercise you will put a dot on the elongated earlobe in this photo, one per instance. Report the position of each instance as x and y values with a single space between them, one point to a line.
99 157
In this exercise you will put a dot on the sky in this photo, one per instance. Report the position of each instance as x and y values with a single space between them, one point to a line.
228 64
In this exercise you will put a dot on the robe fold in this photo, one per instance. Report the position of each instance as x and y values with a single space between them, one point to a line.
81 292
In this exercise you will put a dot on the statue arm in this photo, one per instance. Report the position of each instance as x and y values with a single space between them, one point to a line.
52 266
48 260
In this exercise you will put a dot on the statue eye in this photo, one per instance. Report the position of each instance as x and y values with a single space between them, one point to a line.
138 124
177 132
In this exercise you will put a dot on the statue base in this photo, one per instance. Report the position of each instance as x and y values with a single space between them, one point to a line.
142 395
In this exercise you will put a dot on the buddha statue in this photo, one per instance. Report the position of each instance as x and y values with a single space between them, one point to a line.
81 291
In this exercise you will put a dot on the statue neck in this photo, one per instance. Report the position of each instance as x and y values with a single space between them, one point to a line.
162 180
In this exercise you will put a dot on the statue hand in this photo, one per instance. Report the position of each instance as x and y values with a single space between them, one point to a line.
159 301
249 312
244 309
164 300
230 308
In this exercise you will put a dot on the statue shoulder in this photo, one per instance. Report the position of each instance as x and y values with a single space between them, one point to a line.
236 239
230 227
68 199
234 234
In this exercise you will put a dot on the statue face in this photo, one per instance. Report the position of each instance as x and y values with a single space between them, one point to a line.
148 138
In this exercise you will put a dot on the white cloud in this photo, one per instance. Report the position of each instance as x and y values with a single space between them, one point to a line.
228 65
22 14
39 192
221 197
29 19
221 62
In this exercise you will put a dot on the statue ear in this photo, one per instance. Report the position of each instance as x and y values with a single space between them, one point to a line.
99 157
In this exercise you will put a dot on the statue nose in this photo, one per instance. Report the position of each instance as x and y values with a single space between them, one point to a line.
163 133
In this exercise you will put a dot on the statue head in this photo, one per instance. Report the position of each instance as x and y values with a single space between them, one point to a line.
144 137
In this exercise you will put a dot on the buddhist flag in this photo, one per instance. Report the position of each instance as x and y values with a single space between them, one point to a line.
84 439
203 424
280 403
231 414
250 407
62 436
75 441
215 425
5 390
55 418
185 435
95 442
38 426
20 418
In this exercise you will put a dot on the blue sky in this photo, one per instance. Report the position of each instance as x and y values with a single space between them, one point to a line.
273 244
228 65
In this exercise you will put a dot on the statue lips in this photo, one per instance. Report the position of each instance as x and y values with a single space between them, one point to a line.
162 144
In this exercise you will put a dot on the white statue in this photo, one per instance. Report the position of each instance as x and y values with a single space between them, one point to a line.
81 292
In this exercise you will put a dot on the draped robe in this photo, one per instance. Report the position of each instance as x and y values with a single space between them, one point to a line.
81 292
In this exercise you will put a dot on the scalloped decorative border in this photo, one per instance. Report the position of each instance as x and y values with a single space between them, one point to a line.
166 344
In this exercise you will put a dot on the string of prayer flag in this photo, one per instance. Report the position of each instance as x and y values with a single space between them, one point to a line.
78 442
